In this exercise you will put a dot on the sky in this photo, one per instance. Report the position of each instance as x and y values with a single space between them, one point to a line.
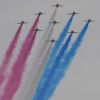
81 81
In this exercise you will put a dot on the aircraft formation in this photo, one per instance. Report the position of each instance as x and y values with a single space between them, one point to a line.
49 64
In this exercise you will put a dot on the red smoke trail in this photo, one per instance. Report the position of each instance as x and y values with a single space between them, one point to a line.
18 67
9 53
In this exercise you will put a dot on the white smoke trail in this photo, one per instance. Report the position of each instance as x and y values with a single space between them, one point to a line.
34 78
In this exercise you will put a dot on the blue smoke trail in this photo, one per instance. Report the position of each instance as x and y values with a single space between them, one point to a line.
56 48
42 87
63 66
60 39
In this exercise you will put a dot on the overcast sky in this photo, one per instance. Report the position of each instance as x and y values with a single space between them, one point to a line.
82 80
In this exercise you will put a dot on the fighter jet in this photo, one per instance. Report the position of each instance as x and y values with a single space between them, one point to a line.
54 22
73 13
22 22
89 20
57 5
36 30
39 14
72 32
52 41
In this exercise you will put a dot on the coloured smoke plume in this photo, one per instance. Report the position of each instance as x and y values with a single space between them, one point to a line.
62 66
18 67
9 54
61 38
42 87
